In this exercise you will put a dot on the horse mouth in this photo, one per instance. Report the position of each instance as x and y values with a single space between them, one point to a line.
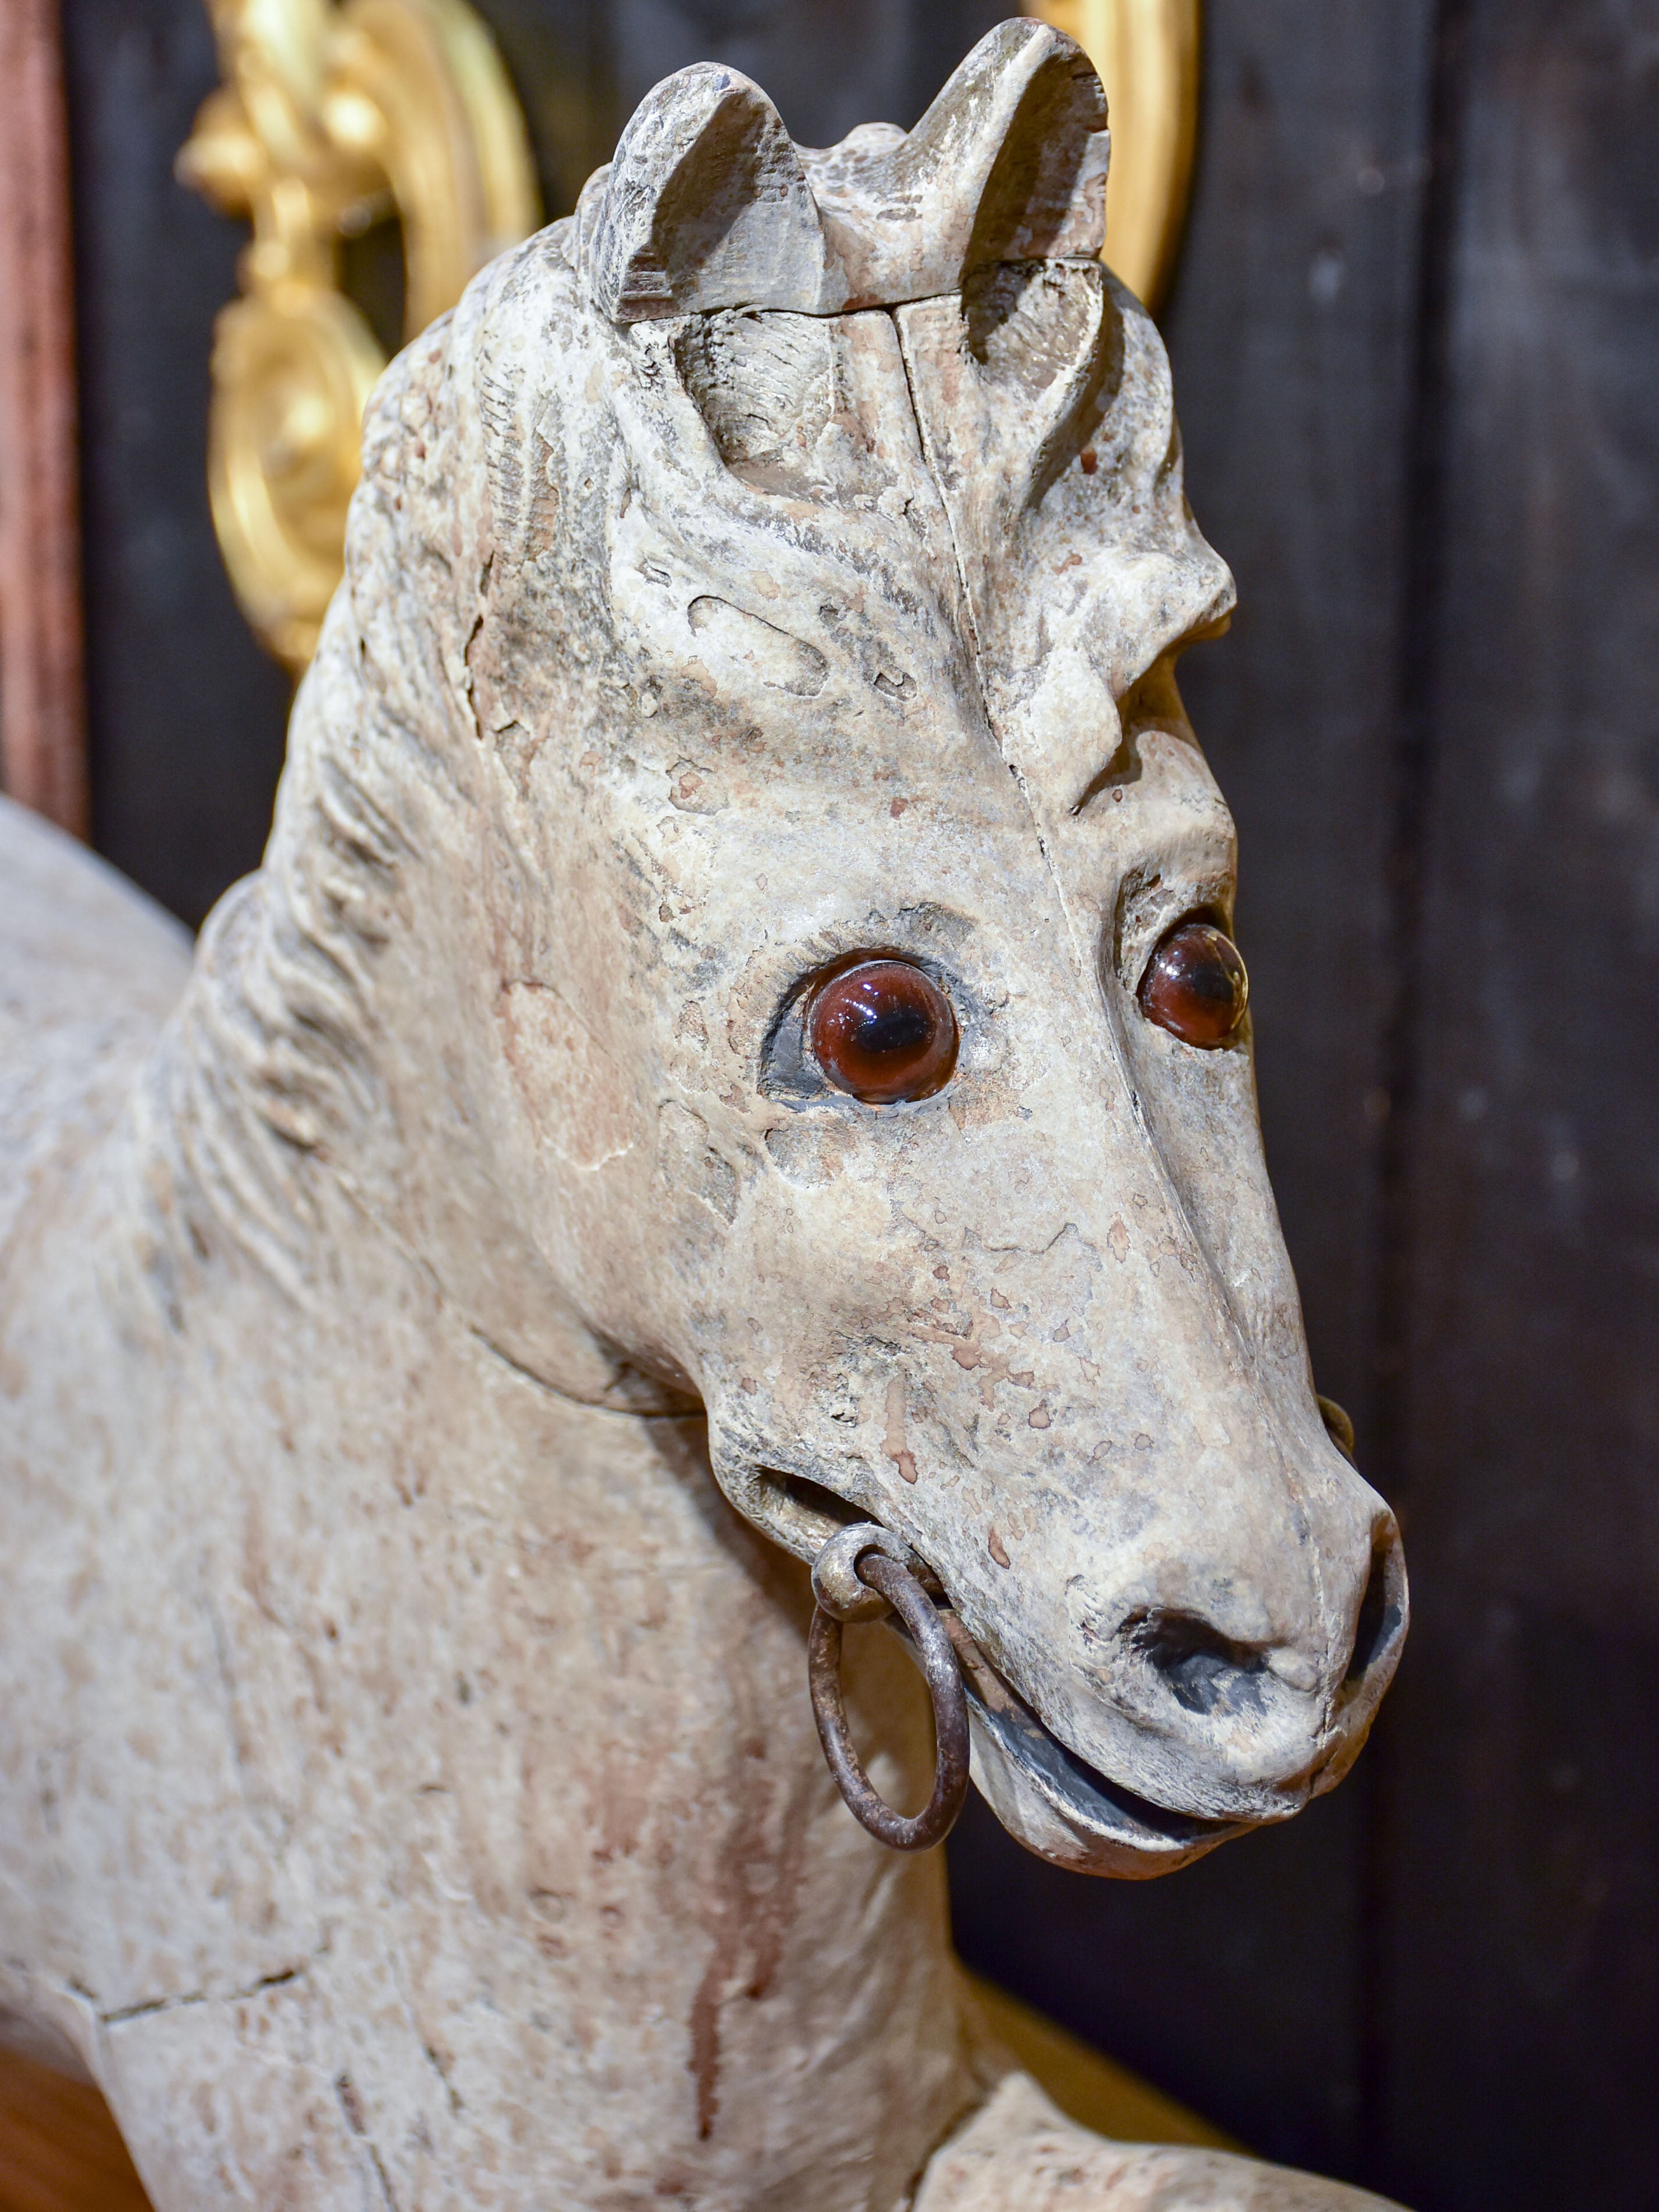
1017 1759
1053 1802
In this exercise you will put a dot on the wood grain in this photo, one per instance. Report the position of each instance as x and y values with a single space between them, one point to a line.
59 2148
42 718
1521 2006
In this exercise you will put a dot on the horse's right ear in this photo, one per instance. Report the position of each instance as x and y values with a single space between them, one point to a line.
705 203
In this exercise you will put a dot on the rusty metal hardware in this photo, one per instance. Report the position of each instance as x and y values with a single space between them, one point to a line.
863 1556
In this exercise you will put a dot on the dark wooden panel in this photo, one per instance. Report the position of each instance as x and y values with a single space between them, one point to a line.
559 56
1523 2029
1241 1985
1233 1985
828 67
186 714
1292 336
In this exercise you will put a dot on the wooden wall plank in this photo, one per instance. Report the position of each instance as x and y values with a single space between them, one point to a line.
1521 2032
185 714
827 67
42 719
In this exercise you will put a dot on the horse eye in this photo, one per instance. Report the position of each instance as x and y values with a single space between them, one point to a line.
1195 986
883 1031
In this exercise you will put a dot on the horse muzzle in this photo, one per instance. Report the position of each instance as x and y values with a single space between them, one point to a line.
1049 1798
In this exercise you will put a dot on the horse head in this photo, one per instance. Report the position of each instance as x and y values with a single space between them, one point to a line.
765 594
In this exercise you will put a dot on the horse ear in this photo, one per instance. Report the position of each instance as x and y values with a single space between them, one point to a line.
1032 110
706 205
1008 164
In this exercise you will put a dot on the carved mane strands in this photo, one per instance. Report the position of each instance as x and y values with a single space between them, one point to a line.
921 404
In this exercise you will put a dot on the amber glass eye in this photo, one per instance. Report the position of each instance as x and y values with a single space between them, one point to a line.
1195 986
883 1031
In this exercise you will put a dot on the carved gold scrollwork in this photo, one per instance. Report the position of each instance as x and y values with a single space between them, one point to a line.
1146 52
331 116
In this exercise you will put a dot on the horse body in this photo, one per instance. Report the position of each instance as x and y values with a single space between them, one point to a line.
412 1797
529 1879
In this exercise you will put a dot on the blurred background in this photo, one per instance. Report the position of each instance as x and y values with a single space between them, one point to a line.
1414 325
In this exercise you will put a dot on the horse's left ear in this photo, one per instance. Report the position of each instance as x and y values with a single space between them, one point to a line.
708 204
1009 163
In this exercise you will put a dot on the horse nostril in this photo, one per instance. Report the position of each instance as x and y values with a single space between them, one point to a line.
1381 1609
1207 1672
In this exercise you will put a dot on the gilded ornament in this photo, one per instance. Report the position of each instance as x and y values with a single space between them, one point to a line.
332 118
1146 52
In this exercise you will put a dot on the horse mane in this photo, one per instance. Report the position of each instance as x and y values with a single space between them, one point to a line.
274 1054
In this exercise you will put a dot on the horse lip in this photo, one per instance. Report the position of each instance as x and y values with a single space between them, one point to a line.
1081 1794
1084 1795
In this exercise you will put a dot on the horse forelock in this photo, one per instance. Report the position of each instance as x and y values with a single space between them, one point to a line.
505 451
1004 459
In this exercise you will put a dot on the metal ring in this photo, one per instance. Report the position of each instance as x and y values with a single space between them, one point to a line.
943 1677
836 1583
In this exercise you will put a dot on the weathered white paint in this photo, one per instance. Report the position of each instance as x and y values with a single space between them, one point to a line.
408 1793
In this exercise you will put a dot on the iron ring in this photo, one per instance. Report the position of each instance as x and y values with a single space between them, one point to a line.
837 1584
944 1678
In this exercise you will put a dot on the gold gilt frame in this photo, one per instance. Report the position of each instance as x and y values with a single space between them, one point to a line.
1148 53
335 113
330 118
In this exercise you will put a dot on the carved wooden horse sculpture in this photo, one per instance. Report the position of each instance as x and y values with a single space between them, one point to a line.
735 1012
